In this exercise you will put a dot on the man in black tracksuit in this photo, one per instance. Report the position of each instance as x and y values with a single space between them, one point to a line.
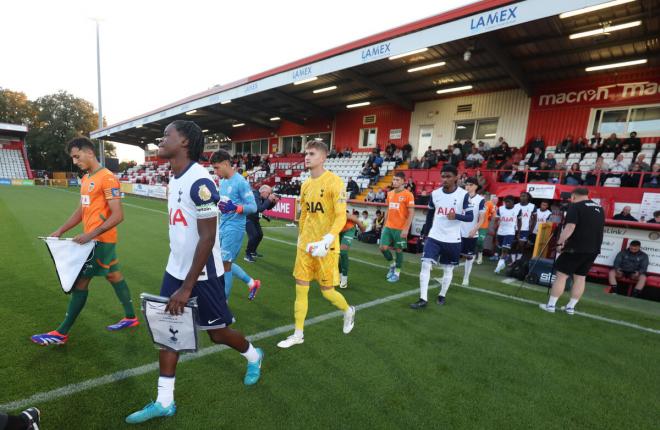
265 200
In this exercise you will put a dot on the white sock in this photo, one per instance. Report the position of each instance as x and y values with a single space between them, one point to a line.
424 277
572 303
298 333
552 301
447 275
165 390
500 263
468 269
251 283
251 354
479 254
344 278
393 265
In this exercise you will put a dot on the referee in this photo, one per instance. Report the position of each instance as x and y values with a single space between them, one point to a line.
579 245
265 199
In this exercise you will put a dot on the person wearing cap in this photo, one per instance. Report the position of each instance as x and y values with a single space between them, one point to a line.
630 264
469 229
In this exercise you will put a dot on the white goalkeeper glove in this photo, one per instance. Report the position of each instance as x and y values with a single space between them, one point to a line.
320 248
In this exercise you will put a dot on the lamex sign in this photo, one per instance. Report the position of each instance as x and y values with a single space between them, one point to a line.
302 73
375 51
604 93
496 18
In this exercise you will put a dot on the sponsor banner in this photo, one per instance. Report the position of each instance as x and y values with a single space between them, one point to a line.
126 187
73 182
140 190
395 133
157 192
153 191
211 147
5 181
285 209
22 182
616 239
650 204
638 92
541 191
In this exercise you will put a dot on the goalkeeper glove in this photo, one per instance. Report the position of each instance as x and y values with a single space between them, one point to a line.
227 207
320 248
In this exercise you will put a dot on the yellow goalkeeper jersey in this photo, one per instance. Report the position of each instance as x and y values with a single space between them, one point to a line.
322 209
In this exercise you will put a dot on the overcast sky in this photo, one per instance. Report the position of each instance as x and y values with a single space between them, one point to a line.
156 52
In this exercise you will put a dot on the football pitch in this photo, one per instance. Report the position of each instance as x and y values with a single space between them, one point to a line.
488 359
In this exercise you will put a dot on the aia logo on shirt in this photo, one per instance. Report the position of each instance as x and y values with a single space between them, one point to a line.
177 217
445 211
314 207
508 219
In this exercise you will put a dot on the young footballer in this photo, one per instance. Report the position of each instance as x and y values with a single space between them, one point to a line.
398 218
345 240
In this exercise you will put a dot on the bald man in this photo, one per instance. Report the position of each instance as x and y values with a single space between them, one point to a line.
265 199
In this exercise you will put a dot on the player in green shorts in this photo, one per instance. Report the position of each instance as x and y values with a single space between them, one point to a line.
345 240
398 218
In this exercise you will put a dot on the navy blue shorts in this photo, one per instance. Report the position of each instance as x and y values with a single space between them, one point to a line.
505 241
441 252
468 245
213 309
523 235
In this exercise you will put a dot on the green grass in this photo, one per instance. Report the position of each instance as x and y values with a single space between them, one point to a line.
480 362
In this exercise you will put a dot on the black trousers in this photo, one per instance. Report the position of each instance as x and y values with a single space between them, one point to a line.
255 235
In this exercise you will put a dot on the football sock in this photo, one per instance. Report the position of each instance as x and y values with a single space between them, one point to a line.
251 354
399 260
447 275
238 271
343 262
300 306
76 304
468 269
572 302
124 296
552 301
424 277
336 298
165 390
387 254
229 281
500 263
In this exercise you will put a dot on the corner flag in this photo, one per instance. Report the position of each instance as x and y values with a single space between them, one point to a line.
69 258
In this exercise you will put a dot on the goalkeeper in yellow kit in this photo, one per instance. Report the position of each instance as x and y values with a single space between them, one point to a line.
322 217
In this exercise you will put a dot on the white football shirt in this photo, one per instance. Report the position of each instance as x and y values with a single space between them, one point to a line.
191 196
541 216
441 203
508 221
526 212
478 206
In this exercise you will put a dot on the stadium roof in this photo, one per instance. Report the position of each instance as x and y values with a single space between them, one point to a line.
13 129
510 44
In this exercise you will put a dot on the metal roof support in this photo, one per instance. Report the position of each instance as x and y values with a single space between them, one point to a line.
379 89
504 59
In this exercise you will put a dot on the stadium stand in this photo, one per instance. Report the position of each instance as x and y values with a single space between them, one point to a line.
12 164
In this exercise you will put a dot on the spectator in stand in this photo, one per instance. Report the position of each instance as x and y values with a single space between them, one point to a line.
378 160
371 159
481 180
612 144
656 218
410 185
600 168
541 174
652 180
551 161
432 159
379 221
492 163
381 195
630 264
389 150
632 144
466 148
371 195
348 153
509 175
368 222
474 159
352 188
596 142
502 151
407 150
566 144
573 175
415 164
625 215
428 152
536 158
333 153
537 142
340 153
632 178
371 172
398 156
619 167
580 146
643 164
484 148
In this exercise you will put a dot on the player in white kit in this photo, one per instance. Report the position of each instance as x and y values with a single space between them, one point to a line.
449 206
508 223
540 215
470 229
526 210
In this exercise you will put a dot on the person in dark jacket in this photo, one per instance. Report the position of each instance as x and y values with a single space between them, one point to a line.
625 215
631 264
265 199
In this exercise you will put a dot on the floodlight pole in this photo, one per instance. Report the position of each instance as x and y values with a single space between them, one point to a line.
98 78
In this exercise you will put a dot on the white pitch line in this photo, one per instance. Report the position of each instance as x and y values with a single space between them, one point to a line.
71 389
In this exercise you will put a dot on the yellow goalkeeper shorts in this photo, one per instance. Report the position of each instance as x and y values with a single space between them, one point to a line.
324 270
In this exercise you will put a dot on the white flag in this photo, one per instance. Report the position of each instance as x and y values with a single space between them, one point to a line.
69 258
